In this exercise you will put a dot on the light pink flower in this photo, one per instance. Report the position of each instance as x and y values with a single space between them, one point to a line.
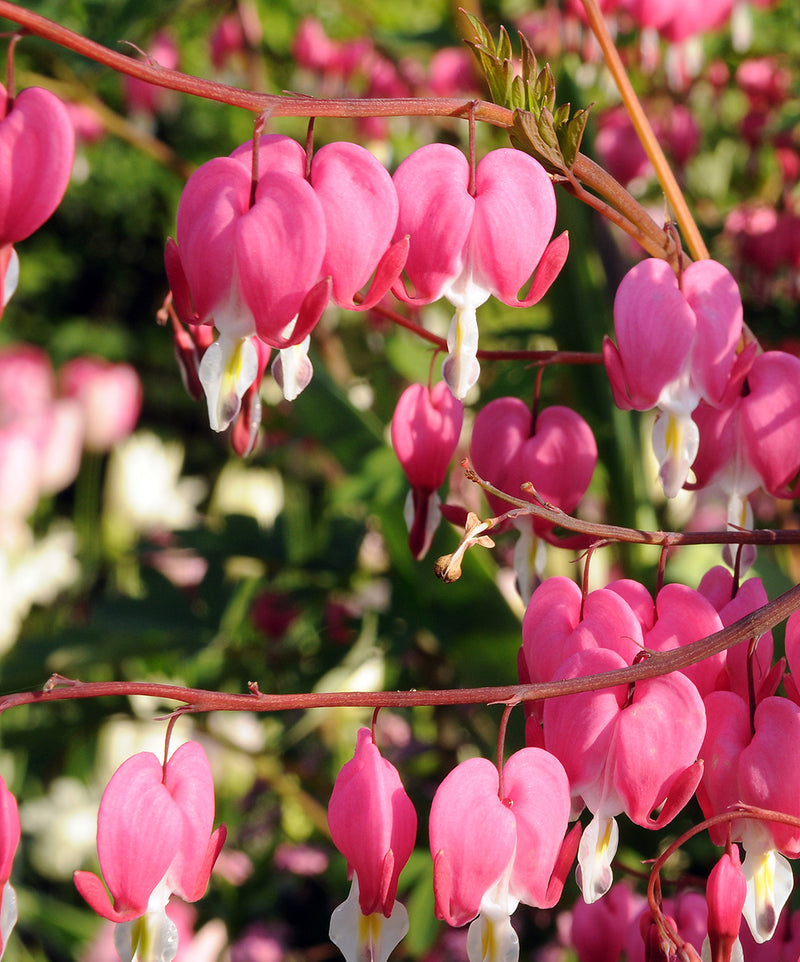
495 845
676 345
466 247
250 266
154 838
374 825
110 396
623 751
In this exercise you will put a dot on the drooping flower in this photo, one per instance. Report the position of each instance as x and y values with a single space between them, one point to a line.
374 825
726 891
495 846
631 752
466 246
676 345
248 262
359 204
425 430
556 452
154 839
744 765
37 148
110 396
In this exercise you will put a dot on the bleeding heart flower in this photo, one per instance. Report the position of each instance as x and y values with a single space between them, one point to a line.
496 844
426 427
9 840
623 751
247 261
676 344
465 246
154 839
556 453
374 825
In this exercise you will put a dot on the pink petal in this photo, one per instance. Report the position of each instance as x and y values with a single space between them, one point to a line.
435 213
188 780
361 207
138 834
9 832
515 212
472 836
426 427
713 295
215 199
684 616
37 147
537 786
657 738
770 419
280 243
276 154
655 329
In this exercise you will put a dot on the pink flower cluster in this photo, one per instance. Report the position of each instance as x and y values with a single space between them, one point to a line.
267 237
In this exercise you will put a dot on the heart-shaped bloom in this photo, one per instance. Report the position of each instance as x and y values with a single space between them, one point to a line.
749 766
466 246
556 453
676 344
374 825
248 262
623 752
37 148
495 846
154 839
426 427
360 206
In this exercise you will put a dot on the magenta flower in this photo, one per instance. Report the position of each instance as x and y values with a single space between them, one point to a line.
9 840
750 768
726 891
676 345
465 247
495 845
623 752
37 147
248 266
425 430
374 825
154 839
360 207
556 453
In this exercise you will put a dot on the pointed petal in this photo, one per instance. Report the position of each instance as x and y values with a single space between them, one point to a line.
461 369
676 439
293 370
366 938
228 368
9 275
769 884
389 269
597 849
491 939
8 914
